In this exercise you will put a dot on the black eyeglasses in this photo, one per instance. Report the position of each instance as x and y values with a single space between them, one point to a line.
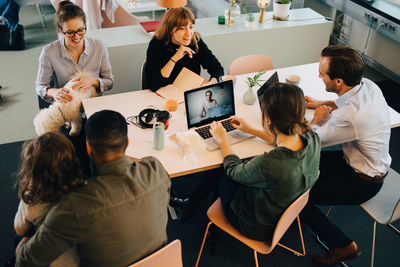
71 34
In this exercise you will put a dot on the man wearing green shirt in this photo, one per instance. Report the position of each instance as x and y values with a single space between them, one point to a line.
119 217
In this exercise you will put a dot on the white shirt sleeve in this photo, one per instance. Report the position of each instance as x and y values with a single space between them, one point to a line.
337 130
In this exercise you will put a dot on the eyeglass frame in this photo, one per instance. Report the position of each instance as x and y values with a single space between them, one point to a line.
73 32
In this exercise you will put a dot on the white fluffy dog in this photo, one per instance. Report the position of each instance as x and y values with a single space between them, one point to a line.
58 114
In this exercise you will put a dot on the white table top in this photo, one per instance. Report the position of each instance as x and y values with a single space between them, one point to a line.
140 140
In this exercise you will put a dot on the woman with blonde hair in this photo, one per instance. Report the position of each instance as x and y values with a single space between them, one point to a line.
176 45
255 193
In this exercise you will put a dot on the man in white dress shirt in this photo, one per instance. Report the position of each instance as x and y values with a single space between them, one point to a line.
359 121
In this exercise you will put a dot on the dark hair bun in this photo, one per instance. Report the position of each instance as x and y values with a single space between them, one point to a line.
64 3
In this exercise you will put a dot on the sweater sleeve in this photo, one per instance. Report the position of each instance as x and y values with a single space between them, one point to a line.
155 61
247 173
209 62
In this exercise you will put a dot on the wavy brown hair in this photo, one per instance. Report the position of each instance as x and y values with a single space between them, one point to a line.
283 108
49 169
174 18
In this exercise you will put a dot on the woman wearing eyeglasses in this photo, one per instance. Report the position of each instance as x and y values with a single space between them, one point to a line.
72 53
176 45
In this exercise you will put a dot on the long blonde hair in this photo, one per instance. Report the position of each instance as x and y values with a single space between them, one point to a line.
174 18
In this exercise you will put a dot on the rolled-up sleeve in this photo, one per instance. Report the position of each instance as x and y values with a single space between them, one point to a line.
45 73
337 130
106 78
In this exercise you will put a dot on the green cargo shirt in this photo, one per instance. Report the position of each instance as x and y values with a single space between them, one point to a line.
270 183
119 217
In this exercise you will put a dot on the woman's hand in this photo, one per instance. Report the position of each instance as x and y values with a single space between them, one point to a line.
85 83
61 95
218 132
211 81
240 124
181 52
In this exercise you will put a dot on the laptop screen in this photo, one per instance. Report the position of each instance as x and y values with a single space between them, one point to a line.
209 103
273 79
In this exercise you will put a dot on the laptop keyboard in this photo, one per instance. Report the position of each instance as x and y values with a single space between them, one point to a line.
205 133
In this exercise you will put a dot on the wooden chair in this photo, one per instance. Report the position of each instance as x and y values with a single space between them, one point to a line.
250 63
384 207
168 256
217 217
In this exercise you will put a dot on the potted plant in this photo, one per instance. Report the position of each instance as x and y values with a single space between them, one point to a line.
281 9
249 97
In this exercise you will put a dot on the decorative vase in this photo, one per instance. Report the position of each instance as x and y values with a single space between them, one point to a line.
281 11
250 21
232 13
249 97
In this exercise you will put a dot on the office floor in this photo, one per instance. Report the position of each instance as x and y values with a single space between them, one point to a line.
17 76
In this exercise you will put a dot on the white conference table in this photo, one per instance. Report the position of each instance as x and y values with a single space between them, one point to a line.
140 140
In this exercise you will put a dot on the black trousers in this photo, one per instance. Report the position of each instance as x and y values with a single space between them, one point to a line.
227 191
336 185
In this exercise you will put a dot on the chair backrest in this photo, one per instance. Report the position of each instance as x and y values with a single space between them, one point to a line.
144 82
384 207
250 63
168 256
289 216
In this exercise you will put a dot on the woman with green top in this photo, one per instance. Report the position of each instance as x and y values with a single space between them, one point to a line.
255 193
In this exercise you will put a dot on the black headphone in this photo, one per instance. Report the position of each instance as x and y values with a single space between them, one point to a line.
147 115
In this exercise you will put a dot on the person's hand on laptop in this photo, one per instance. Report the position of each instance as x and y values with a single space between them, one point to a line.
218 132
240 124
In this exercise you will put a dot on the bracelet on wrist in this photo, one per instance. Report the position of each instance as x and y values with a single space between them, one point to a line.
172 60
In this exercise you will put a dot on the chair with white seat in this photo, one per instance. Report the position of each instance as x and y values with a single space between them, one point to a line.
250 63
384 207
217 217
168 256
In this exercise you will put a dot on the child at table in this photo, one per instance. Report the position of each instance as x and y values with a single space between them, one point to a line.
49 169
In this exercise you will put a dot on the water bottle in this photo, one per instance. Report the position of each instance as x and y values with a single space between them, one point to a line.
158 136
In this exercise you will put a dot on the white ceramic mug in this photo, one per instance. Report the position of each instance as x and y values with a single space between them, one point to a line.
293 79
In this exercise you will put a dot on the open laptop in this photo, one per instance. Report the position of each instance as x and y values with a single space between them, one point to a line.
212 103
273 79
